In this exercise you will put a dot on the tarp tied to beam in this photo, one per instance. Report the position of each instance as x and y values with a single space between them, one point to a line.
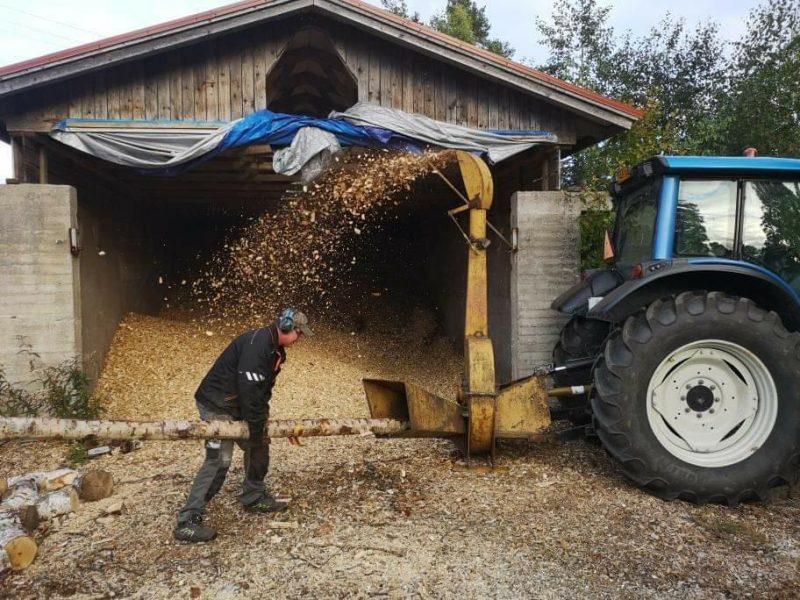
168 148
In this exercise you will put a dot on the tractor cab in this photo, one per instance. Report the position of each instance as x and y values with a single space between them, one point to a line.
685 219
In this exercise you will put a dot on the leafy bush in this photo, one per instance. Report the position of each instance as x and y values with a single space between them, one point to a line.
62 391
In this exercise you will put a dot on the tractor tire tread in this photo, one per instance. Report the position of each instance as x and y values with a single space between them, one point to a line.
609 404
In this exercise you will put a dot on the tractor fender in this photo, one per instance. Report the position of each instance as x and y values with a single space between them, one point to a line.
737 278
597 283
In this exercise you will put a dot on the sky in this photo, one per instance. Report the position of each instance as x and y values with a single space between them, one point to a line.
38 27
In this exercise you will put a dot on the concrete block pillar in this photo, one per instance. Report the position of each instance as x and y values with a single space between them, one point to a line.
40 279
546 263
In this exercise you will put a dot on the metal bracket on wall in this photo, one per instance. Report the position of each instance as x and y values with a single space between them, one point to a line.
74 249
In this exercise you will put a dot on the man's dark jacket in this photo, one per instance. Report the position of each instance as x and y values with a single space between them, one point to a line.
240 382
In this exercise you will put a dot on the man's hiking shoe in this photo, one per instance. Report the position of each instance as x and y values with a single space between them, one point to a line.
193 530
267 505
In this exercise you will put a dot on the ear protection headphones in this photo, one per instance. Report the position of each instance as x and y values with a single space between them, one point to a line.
286 320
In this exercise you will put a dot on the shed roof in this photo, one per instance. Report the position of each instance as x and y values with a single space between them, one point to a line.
50 68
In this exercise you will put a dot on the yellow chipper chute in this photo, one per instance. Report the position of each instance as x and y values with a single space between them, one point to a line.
483 411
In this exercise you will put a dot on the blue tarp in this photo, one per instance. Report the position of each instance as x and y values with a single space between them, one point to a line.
279 129
157 148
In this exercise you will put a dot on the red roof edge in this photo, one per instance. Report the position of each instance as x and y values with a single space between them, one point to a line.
223 11
131 36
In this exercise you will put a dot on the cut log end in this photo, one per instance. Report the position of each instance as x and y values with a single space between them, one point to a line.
20 552
95 485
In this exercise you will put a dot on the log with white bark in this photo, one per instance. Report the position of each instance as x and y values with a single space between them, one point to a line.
47 481
20 502
68 429
23 493
17 548
57 503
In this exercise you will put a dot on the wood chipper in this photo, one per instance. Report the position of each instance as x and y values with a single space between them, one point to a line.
483 411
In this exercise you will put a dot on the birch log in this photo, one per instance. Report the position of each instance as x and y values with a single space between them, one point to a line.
47 481
57 503
17 548
24 493
67 429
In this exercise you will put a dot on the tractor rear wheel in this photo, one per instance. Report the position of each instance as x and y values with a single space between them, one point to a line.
697 399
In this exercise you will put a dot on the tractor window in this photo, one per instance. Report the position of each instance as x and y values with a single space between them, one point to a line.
771 227
635 225
706 218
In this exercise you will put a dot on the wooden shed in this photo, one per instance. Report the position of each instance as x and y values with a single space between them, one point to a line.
298 56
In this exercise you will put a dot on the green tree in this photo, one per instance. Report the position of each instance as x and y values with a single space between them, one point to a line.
462 19
678 74
400 8
763 107
693 236
467 21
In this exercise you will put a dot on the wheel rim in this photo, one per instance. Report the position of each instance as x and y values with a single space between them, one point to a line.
712 403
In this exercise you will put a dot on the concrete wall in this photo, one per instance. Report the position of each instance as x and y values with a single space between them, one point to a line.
546 263
67 307
120 242
40 299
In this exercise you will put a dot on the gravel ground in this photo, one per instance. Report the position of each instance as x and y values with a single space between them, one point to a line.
383 518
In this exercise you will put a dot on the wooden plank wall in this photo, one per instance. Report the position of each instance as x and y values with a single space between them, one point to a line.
226 78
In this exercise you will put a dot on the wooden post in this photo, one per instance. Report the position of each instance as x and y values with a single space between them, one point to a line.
545 184
19 164
42 165
26 146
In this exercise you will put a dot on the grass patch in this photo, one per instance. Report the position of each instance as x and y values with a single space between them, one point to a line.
728 527
77 455
732 529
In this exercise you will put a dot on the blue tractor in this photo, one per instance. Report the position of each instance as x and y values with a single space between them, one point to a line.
692 329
